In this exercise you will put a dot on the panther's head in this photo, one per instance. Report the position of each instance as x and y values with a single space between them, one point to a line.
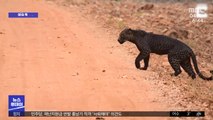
126 35
130 35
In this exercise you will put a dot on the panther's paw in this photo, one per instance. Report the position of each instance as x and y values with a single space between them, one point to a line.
140 68
144 68
193 76
172 74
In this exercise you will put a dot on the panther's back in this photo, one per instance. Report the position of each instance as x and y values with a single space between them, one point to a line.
161 44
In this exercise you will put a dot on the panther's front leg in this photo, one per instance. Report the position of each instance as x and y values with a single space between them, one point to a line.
146 62
140 57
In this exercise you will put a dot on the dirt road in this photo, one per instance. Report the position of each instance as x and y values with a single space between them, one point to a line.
61 61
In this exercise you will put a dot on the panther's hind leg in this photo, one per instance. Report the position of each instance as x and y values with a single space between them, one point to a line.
186 65
175 63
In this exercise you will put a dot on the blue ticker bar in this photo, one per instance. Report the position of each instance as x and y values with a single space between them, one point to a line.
23 15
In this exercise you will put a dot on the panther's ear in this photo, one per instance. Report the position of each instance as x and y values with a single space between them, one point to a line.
129 30
126 28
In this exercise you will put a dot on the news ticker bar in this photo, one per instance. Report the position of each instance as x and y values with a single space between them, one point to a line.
109 114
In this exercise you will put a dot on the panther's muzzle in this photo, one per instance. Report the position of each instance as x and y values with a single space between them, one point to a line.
121 41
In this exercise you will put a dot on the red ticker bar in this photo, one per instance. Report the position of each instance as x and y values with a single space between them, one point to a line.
114 114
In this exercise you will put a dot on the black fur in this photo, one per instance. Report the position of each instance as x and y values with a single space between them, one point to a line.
179 53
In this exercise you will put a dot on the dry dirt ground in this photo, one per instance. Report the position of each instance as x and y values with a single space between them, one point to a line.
62 61
65 60
169 18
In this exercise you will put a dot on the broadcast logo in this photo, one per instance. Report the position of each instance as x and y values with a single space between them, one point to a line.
198 14
16 105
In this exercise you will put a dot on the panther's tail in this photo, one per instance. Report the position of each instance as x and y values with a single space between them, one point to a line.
196 68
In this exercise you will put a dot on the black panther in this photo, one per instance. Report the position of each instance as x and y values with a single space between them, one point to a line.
179 53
